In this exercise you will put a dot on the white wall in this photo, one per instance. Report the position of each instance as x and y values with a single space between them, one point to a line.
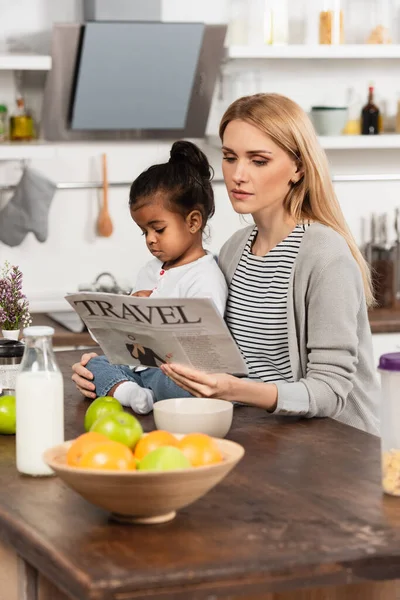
73 254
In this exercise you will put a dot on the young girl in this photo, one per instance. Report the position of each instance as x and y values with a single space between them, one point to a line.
171 204
298 285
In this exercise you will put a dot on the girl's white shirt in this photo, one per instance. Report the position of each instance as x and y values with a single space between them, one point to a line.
201 278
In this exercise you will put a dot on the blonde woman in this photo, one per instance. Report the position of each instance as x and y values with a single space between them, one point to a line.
298 286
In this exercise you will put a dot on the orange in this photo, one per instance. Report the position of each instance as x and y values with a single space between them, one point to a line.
83 443
152 441
108 455
200 449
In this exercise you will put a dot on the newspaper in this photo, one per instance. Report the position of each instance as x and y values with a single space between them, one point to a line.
151 331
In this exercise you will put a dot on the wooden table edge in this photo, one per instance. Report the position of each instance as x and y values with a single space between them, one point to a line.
62 574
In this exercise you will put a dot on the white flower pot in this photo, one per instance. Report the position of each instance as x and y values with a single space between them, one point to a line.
10 334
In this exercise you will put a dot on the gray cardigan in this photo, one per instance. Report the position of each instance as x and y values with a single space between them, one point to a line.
330 341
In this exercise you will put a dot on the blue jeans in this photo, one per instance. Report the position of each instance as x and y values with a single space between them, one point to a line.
106 375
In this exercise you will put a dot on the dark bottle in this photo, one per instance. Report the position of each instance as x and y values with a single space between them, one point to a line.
370 116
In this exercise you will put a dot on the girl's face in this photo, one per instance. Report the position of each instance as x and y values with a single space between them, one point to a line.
169 236
257 171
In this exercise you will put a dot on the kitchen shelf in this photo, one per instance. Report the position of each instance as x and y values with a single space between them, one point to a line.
360 142
42 149
343 142
25 62
26 150
319 51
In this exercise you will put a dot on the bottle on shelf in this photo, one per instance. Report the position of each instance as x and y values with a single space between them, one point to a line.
21 123
397 125
3 123
370 115
39 395
354 105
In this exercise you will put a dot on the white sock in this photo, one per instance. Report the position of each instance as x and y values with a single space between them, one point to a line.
140 399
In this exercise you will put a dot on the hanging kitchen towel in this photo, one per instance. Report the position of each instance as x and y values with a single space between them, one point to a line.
28 209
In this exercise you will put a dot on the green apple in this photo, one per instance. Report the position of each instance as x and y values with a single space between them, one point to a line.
120 427
165 458
8 418
103 405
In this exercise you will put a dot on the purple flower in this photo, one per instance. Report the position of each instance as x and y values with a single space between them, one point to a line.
14 306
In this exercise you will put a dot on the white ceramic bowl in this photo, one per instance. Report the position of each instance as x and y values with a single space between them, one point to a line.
329 120
189 415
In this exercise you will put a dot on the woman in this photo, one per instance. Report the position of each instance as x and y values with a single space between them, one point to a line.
298 285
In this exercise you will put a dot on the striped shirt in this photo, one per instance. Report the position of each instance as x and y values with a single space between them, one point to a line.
256 311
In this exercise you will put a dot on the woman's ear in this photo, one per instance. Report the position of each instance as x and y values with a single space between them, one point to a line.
194 221
297 175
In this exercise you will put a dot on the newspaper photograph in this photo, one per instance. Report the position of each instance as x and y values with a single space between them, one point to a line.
150 331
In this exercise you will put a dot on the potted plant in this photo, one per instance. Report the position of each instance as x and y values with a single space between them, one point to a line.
14 306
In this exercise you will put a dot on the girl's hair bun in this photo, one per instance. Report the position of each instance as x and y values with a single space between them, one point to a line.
189 154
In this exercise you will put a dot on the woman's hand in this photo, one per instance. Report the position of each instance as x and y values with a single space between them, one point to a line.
202 385
142 293
223 386
82 376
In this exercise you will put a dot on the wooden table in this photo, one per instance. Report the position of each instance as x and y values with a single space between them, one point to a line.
301 517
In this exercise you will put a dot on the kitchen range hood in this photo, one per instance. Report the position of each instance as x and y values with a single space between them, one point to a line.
131 80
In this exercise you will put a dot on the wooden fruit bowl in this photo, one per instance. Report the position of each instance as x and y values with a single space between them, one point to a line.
143 496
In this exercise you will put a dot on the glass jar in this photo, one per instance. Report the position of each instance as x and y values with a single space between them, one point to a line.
380 29
238 25
389 368
11 352
276 22
3 122
331 22
370 22
40 402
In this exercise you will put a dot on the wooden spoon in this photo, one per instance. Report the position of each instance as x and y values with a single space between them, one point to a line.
104 223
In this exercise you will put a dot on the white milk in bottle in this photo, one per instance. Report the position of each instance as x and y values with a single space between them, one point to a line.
40 402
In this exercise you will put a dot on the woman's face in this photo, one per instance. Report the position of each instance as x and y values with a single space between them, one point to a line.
257 171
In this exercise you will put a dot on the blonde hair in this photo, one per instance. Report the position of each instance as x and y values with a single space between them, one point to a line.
313 197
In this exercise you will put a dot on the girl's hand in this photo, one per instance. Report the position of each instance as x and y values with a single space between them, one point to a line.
82 377
142 293
202 385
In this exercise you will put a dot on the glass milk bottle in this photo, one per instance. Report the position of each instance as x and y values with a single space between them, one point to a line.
389 368
40 402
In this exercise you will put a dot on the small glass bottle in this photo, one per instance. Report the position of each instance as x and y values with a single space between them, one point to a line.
21 124
389 368
3 122
331 26
370 116
397 126
40 402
